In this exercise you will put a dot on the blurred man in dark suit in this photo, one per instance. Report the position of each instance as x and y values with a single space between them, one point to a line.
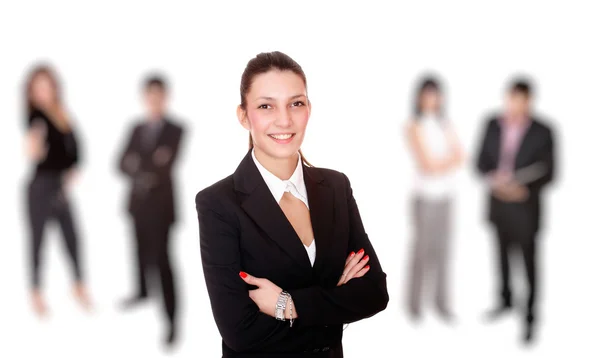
516 156
148 161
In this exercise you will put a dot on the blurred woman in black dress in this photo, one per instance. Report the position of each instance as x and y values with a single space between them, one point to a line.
53 151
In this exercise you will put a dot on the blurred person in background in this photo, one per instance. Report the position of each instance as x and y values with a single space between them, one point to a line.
286 259
516 158
148 160
437 152
52 148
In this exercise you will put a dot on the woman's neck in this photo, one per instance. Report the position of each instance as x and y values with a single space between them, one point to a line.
431 113
283 168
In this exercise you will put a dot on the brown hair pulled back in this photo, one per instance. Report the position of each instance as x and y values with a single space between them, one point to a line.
262 63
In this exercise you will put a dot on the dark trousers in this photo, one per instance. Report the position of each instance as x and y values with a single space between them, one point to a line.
47 201
152 241
524 242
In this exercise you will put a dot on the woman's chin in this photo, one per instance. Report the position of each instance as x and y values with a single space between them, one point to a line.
282 153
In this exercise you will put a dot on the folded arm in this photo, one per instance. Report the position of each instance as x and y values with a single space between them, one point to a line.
130 161
357 299
165 156
427 163
241 324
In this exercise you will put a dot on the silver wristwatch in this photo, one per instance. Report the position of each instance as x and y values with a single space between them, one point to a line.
280 306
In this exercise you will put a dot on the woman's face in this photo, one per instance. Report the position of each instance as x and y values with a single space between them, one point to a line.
277 112
430 101
42 91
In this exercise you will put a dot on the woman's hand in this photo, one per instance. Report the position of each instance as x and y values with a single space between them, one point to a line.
356 266
266 295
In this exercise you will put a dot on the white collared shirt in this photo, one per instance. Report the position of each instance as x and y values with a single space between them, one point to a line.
295 185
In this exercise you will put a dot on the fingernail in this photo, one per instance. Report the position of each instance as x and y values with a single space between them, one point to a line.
366 258
351 254
367 267
243 274
361 251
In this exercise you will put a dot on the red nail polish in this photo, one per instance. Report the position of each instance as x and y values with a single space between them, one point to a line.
243 274
361 251
351 254
367 267
366 258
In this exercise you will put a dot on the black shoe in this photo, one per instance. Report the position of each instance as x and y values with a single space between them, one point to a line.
171 336
414 314
446 315
133 301
529 333
497 312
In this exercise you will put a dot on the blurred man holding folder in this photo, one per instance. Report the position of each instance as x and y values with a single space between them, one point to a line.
516 157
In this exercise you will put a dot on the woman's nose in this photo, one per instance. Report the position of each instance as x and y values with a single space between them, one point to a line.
284 118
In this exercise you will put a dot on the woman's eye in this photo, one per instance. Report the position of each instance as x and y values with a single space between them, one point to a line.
264 106
297 104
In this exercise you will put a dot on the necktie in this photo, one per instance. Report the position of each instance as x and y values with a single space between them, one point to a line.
297 214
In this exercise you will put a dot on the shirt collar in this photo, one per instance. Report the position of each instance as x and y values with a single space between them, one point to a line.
155 123
278 186
519 125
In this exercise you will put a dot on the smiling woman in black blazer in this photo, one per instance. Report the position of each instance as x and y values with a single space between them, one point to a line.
286 259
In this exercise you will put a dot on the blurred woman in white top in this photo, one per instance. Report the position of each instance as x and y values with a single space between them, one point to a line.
437 153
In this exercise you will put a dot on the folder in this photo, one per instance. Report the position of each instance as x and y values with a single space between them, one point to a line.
530 173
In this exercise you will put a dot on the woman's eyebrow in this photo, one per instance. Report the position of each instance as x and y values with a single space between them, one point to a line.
266 98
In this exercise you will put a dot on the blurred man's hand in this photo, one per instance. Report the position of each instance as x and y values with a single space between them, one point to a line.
511 192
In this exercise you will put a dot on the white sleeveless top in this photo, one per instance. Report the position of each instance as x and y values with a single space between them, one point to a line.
436 186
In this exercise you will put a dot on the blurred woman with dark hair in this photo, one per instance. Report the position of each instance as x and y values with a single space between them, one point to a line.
53 150
437 152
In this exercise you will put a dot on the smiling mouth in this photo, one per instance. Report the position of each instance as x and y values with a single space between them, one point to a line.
282 136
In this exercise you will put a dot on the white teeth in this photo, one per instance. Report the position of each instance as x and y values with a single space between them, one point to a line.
281 136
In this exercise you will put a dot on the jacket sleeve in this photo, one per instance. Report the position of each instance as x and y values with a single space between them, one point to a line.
129 161
484 165
359 298
241 324
163 170
547 158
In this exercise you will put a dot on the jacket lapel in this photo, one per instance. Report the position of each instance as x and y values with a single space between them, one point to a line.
261 207
163 134
321 202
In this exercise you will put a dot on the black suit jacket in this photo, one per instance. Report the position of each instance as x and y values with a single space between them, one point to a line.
537 146
151 194
242 228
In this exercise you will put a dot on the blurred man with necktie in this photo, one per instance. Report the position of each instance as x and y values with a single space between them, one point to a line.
516 157
147 161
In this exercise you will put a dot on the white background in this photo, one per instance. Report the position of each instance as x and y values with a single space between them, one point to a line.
361 63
